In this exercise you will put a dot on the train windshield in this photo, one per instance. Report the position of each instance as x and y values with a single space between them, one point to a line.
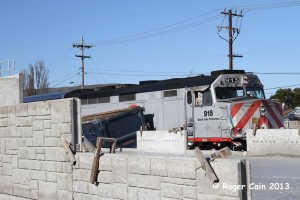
255 92
226 93
229 92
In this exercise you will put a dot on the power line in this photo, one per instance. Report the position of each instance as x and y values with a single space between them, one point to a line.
155 34
68 78
288 86
270 5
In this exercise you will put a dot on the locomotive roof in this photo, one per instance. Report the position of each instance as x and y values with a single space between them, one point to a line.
145 86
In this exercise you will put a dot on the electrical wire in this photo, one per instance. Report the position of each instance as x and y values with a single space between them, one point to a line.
155 30
68 78
155 34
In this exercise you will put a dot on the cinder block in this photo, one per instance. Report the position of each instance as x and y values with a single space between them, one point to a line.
90 197
43 108
15 162
80 186
171 191
81 175
35 194
67 168
65 181
120 191
47 124
3 112
65 195
53 142
38 125
34 184
4 197
119 169
23 121
105 190
178 181
4 122
189 192
22 190
147 194
105 177
59 115
38 139
48 190
27 132
2 145
51 177
38 175
27 153
7 169
32 109
21 142
29 142
11 144
144 181
22 110
105 163
77 196
40 157
30 164
55 130
56 154
133 193
21 176
181 168
51 166
66 128
6 184
93 189
6 158
159 167
139 165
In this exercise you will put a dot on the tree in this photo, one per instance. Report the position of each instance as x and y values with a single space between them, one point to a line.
290 97
36 79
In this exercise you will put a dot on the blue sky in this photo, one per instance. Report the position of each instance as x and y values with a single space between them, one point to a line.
35 29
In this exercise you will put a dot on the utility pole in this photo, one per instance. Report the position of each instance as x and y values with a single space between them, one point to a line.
230 37
82 46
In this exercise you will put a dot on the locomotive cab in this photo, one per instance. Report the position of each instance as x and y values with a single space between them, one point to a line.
220 113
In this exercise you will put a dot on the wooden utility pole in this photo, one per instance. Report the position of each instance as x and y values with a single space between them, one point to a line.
230 38
82 46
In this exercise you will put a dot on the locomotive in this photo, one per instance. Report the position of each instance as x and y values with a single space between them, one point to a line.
216 109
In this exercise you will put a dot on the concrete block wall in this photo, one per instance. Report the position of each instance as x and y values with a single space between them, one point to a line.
33 163
11 90
273 142
141 177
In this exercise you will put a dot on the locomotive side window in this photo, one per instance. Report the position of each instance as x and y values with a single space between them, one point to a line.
206 98
189 97
203 98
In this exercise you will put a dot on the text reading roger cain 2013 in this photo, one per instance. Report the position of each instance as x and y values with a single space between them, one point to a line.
253 186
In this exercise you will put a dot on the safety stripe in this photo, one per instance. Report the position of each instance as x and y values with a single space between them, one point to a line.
278 107
278 114
278 123
235 108
245 119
